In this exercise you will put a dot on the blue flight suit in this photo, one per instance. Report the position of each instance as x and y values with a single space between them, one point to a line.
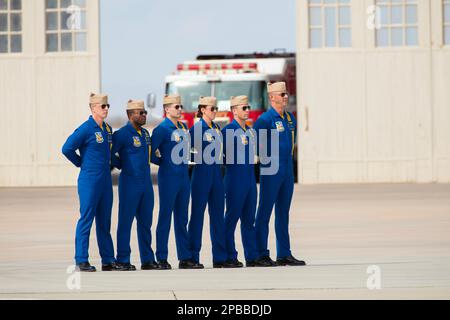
173 186
207 188
94 187
240 191
276 189
136 197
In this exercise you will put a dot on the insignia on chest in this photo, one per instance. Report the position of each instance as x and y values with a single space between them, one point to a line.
209 137
279 125
99 137
176 137
244 139
137 142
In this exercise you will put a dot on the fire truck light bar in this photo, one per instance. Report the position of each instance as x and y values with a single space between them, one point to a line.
207 67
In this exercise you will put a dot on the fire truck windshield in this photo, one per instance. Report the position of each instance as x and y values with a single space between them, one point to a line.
255 90
190 92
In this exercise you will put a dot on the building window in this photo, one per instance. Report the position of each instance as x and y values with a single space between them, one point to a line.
329 23
398 23
447 22
10 26
65 22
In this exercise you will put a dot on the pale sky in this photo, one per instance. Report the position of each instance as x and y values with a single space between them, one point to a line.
143 40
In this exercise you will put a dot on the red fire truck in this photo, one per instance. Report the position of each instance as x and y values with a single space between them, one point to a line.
224 76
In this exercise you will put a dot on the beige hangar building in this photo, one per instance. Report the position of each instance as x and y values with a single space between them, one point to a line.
49 62
374 76
373 89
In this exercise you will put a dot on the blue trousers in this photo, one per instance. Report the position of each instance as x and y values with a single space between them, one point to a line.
96 197
275 191
207 188
136 200
241 197
174 194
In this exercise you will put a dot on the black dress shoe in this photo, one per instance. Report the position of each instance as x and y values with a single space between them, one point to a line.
189 264
113 267
150 266
269 261
233 264
290 261
258 263
85 267
222 265
126 267
164 265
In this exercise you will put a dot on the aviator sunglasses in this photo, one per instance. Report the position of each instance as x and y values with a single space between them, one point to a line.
142 113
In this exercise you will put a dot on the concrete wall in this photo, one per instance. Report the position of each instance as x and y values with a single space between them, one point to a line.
43 98
375 114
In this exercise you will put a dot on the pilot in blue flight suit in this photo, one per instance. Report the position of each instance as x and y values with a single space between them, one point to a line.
240 184
93 139
207 183
276 189
170 141
132 146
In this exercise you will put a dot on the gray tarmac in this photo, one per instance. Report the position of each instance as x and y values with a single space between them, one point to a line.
342 231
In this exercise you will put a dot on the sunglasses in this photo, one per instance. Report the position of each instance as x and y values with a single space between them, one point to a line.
142 113
284 94
214 109
178 106
246 108
104 106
